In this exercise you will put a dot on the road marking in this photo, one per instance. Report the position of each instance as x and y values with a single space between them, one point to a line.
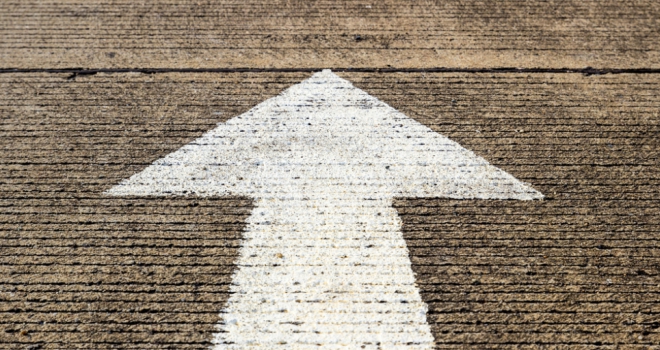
324 261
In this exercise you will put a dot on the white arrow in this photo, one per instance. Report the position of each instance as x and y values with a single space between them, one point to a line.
324 261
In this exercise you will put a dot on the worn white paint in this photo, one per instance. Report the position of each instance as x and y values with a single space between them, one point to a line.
323 260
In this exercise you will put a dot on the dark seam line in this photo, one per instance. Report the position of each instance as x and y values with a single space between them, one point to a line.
91 71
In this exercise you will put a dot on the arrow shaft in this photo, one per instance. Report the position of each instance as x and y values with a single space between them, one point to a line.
323 271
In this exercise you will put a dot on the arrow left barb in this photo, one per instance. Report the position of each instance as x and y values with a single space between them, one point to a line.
324 262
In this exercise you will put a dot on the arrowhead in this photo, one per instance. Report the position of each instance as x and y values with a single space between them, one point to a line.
324 137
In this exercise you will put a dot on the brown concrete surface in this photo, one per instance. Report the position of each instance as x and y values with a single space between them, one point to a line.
577 270
328 33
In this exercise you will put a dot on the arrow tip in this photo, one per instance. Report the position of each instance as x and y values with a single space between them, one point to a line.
322 137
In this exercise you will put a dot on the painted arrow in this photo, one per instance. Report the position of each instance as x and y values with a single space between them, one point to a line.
323 261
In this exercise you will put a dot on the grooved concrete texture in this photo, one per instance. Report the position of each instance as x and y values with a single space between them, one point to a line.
578 270
326 34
